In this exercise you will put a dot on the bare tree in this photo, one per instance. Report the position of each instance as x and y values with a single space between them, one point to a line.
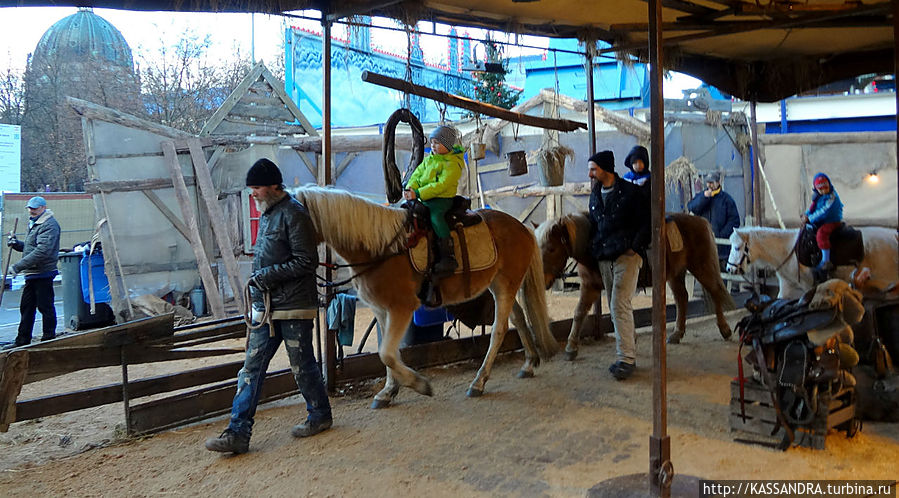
183 86
12 95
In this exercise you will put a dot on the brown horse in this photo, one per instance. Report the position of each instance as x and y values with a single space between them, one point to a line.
569 237
371 237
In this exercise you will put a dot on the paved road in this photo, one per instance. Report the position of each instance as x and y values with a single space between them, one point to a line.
9 316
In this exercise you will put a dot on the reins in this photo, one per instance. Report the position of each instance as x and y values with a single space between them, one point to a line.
370 265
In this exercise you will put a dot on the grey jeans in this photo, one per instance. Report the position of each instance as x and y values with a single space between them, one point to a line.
619 277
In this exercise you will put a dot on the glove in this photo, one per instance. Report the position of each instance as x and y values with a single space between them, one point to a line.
11 241
256 282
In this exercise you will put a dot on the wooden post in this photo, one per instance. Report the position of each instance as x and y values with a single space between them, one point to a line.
13 369
126 395
190 218
217 220
591 115
895 74
660 471
330 351
756 161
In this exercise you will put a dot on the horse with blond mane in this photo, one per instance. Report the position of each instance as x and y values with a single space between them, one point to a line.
773 248
371 238
569 237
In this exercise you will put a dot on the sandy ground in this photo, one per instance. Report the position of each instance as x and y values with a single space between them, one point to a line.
558 434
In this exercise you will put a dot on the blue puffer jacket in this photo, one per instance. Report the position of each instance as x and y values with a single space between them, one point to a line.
825 208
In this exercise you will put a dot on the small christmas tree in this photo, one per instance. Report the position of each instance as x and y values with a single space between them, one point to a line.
491 88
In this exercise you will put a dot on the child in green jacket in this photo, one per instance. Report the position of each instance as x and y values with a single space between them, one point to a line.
434 182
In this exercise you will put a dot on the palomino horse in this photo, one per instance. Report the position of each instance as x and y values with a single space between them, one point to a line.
371 238
569 237
772 247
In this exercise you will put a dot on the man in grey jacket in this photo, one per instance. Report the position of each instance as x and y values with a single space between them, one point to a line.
284 262
40 251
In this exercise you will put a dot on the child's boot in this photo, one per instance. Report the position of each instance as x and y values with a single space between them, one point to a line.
825 263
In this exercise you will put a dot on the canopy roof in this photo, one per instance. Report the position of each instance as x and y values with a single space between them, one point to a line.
762 49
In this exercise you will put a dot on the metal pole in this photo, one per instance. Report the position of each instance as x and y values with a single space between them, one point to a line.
591 118
660 469
330 350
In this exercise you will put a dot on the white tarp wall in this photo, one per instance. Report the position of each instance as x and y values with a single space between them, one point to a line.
792 160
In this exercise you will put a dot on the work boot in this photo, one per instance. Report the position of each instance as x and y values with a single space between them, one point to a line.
309 428
446 262
48 337
229 442
622 370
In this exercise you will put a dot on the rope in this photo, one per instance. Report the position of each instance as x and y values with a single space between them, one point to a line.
392 179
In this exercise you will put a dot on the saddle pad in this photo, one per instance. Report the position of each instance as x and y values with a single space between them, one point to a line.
481 249
675 241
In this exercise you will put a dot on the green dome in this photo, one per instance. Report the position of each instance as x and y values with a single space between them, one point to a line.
81 36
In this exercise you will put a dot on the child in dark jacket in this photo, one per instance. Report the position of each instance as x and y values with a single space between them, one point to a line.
637 161
826 213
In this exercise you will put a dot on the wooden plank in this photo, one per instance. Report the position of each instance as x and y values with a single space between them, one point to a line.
212 293
471 105
133 185
12 375
230 126
489 168
262 100
204 403
344 163
529 209
112 393
278 89
217 221
93 111
169 215
262 112
231 100
310 165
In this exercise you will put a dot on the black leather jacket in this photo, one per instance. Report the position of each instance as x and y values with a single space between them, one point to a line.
285 257
621 223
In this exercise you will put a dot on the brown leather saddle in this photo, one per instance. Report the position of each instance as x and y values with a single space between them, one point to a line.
459 213
847 247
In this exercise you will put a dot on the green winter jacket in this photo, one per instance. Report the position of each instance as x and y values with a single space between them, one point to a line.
438 175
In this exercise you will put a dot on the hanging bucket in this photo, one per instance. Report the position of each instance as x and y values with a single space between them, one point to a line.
518 163
551 162
478 151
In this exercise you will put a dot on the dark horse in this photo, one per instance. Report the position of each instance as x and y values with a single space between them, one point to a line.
569 237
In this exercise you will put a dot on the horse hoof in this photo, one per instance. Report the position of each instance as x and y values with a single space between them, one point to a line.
570 355
725 333
525 374
675 338
423 386
474 393
377 404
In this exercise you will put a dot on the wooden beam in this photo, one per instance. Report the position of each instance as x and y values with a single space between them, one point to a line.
212 293
13 368
529 209
472 105
515 191
112 393
217 221
624 123
278 89
169 215
310 165
344 163
93 111
232 99
133 185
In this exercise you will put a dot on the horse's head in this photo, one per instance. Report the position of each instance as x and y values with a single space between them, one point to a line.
555 246
738 259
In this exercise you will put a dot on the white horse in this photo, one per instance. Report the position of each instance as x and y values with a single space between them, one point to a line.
769 247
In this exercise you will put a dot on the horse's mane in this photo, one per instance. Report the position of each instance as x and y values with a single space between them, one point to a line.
345 220
578 227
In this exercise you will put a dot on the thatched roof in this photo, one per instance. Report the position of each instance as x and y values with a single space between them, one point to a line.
754 50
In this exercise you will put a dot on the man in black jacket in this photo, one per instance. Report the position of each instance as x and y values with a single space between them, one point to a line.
284 262
620 224
717 206
40 252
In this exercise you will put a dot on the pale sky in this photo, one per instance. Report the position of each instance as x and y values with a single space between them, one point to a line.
22 27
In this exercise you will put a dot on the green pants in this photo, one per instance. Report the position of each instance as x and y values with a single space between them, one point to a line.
439 206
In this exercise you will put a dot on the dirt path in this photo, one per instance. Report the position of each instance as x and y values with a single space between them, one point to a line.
558 434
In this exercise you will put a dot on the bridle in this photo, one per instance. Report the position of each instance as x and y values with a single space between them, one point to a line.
744 255
368 265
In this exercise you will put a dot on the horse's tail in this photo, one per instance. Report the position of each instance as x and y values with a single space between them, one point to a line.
533 299
719 291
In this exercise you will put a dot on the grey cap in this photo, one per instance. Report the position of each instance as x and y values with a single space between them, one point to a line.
445 135
36 202
713 176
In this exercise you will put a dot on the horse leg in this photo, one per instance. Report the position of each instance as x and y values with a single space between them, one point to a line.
589 295
500 326
396 324
531 358
679 289
714 287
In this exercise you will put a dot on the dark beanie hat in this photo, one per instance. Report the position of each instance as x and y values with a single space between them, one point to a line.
605 160
638 152
264 172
